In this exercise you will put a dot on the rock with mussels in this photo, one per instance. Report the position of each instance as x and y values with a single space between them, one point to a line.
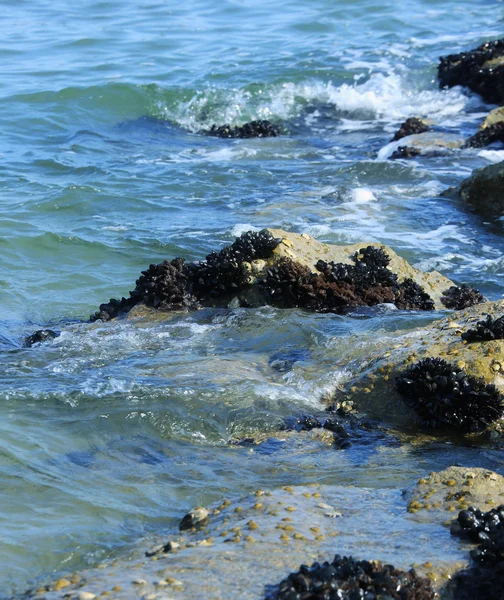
433 375
481 70
286 270
254 129
251 542
482 190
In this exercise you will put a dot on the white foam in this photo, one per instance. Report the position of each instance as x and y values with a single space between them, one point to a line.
240 228
493 156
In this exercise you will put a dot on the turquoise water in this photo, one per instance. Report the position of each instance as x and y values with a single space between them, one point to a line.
113 430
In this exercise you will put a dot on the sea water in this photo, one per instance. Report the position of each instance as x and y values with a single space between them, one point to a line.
113 430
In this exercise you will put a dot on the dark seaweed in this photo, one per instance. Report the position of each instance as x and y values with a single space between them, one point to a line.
445 396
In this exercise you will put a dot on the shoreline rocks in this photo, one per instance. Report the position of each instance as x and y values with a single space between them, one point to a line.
481 70
482 190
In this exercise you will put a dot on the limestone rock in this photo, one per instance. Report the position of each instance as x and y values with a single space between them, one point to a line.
482 190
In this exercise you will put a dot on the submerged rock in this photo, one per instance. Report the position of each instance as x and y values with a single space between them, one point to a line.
405 152
482 190
42 335
411 126
347 579
481 70
255 129
285 270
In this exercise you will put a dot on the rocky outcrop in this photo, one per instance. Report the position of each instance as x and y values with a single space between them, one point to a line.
376 370
481 70
286 270
482 190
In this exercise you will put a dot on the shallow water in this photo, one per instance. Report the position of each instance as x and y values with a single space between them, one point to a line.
114 430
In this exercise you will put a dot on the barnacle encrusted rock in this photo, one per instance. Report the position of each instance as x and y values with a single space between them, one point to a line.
376 364
345 578
482 190
444 395
286 270
254 129
481 70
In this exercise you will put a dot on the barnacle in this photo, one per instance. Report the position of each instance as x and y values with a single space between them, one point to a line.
346 578
486 330
460 297
445 396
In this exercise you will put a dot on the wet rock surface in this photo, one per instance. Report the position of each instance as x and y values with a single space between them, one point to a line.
481 70
252 542
255 129
482 190
377 367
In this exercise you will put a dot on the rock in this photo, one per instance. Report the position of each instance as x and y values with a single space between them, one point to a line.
482 190
307 251
255 129
430 143
194 519
284 270
411 126
441 495
486 136
42 335
85 596
259 538
481 70
494 117
405 152
376 366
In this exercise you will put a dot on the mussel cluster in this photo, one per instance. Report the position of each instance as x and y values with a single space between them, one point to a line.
411 126
485 577
411 296
348 579
444 395
487 330
177 285
486 136
460 297
339 286
254 129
